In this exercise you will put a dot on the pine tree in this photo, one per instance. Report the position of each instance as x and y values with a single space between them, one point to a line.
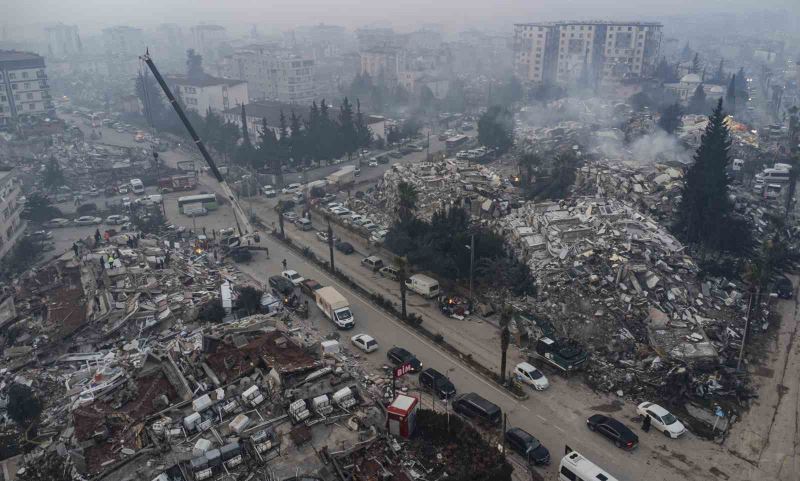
705 208
730 95
245 133
686 53
363 132
269 150
696 63
348 136
297 150
194 65
697 104
719 77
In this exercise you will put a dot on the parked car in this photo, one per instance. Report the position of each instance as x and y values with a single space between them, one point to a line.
291 189
614 430
39 235
784 287
293 276
372 263
117 219
399 356
269 191
372 163
345 247
308 286
88 220
333 205
474 406
434 381
390 272
365 342
323 236
662 420
328 198
531 376
281 284
290 216
527 446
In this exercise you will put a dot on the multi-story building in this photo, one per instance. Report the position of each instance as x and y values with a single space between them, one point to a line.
63 41
123 42
11 228
273 73
207 39
202 94
595 51
384 63
24 90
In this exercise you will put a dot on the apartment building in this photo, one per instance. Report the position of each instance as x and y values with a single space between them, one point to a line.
207 39
594 51
202 94
63 41
273 73
11 227
123 42
384 63
24 90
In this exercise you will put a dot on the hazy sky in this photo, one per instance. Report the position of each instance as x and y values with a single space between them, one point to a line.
93 14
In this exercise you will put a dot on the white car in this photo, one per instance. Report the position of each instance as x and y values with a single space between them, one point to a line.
117 219
334 205
662 419
365 342
531 376
356 219
88 220
340 211
57 222
291 189
293 276
269 191
126 201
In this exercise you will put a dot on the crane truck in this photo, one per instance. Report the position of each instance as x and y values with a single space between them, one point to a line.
247 234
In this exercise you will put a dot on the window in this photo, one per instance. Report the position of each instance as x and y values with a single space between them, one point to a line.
27 85
29 96
3 98
14 86
24 74
12 75
567 473
31 106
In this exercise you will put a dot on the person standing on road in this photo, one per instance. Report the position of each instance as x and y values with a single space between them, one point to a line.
646 423
283 262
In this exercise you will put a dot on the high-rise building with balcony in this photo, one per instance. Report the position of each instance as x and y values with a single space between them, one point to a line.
24 90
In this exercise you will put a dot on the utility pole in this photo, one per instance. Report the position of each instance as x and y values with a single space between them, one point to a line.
428 154
330 246
747 326
503 437
471 264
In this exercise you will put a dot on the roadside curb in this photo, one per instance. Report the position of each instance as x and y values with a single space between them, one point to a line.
435 338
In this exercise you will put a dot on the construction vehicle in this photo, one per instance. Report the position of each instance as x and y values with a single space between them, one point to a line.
566 357
247 234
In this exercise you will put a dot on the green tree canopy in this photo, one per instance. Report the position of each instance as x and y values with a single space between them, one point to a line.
496 129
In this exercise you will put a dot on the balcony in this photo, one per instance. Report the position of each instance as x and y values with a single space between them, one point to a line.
41 75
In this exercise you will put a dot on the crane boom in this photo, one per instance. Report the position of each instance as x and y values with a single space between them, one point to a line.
243 224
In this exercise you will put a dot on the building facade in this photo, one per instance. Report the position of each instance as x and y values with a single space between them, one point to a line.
590 52
24 89
216 94
273 74
63 41
11 227
384 63
207 39
123 42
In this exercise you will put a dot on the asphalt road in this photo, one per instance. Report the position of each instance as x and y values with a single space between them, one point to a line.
557 416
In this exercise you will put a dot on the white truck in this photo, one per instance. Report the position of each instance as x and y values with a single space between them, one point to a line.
423 285
343 176
335 307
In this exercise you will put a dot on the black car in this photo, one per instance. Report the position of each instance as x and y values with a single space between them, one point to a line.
472 405
281 284
527 446
345 247
614 430
433 380
398 356
784 288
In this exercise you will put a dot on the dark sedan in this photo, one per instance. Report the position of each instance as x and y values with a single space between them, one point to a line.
614 430
281 284
345 247
398 356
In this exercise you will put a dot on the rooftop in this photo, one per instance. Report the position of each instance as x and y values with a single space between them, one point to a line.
206 81
16 55
589 22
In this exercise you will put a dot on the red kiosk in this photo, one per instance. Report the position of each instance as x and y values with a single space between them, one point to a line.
402 415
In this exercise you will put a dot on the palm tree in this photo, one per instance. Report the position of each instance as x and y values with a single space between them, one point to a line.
407 202
281 208
401 263
505 340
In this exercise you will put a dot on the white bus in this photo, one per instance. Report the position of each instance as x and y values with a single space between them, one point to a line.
207 201
574 467
137 187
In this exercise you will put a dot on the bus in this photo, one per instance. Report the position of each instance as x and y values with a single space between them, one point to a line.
209 201
453 143
137 187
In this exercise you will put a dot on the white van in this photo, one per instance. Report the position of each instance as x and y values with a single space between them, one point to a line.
423 285
574 466
137 186
773 175
303 224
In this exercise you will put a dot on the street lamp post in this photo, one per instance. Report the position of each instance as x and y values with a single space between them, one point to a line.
471 248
